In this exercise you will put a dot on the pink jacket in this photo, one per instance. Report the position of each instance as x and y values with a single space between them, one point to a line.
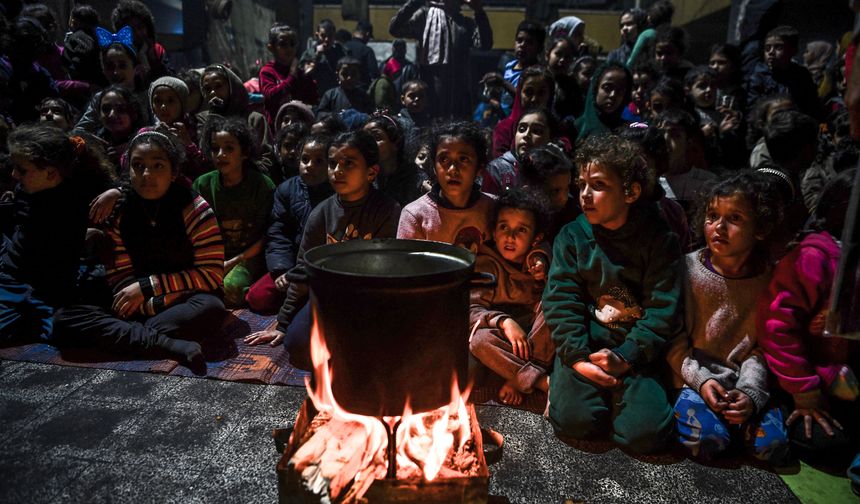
802 360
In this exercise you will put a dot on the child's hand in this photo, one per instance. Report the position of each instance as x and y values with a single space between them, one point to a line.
715 395
817 413
594 374
229 264
273 337
281 283
609 361
309 67
731 120
739 409
538 270
102 206
127 301
294 66
517 337
180 131
845 385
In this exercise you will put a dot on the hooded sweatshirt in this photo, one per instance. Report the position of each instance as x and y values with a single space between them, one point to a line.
236 106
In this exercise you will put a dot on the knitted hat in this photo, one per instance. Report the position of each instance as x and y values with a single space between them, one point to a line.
302 108
176 85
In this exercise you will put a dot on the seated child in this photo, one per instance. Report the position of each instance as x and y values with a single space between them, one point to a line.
717 361
455 210
819 372
44 225
611 303
356 212
288 144
511 337
241 197
58 112
398 175
347 94
547 169
282 79
413 117
294 200
166 269
536 127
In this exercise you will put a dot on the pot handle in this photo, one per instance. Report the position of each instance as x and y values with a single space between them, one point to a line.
298 274
482 279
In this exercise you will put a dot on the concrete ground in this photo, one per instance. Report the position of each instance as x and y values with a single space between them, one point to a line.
76 434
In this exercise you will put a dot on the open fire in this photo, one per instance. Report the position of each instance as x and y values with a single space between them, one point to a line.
343 454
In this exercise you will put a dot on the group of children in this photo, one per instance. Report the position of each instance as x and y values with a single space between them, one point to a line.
647 298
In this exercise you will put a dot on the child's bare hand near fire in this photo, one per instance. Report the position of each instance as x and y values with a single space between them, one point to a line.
273 338
517 337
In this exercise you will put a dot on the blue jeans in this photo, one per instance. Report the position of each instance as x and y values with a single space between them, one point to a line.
23 316
706 434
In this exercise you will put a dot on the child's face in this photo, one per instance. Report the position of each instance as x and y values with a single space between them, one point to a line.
722 66
514 234
676 146
284 48
532 131
313 164
659 103
150 171
226 152
557 190
628 28
216 89
114 113
667 55
414 99
535 93
456 169
776 54
289 150
324 37
347 76
33 178
584 74
52 112
702 92
642 84
730 230
118 68
387 148
602 196
348 172
166 105
525 48
290 116
422 158
560 57
611 91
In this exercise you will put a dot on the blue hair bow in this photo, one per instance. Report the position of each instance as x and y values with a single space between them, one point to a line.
124 36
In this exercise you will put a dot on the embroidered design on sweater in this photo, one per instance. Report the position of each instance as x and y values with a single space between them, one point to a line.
350 233
469 238
617 307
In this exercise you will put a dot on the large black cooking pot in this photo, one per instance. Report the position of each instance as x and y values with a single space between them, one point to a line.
395 317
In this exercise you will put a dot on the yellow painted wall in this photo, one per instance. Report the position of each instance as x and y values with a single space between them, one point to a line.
601 26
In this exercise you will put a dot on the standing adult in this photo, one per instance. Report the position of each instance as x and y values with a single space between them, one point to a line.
445 36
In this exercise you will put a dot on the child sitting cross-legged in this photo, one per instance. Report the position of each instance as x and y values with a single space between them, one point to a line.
611 303
717 361
511 337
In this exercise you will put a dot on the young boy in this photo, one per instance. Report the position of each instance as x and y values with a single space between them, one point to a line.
669 48
348 94
413 117
611 303
321 59
776 73
282 79
645 77
547 169
511 337
528 45
356 212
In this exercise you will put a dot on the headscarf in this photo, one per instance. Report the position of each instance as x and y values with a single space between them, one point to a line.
816 58
593 121
564 27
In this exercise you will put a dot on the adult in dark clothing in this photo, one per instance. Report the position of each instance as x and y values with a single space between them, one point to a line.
28 83
357 48
167 264
445 36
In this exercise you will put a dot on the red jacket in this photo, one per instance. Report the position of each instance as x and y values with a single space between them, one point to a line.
279 87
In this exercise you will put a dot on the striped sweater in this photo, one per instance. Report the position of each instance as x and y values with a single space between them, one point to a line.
162 289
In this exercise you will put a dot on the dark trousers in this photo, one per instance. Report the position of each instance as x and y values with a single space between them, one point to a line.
23 316
191 319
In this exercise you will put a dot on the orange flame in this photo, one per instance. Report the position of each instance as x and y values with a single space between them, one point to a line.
424 440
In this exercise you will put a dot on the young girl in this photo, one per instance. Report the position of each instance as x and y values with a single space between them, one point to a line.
120 116
608 95
356 212
611 303
166 268
534 90
511 337
567 99
720 125
455 210
57 175
717 361
398 176
288 146
58 112
168 99
667 94
547 169
241 197
294 200
536 127
819 372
